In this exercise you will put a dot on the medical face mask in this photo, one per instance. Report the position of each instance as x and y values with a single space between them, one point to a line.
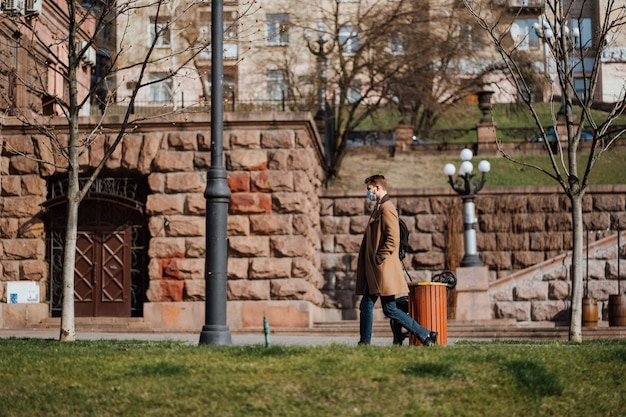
371 195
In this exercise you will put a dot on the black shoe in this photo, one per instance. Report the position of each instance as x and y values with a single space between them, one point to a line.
362 343
431 339
398 334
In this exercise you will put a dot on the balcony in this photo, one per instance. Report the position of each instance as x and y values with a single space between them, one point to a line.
525 5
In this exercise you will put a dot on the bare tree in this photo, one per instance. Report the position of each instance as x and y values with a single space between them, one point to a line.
65 55
561 29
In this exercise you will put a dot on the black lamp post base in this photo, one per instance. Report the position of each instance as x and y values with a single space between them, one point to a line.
215 335
471 260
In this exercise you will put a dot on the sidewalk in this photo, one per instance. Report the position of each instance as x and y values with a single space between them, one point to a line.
194 338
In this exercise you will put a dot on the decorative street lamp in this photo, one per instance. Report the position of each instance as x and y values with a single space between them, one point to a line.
562 45
467 191
324 117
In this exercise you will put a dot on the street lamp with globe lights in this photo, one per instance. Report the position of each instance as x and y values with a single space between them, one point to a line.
468 191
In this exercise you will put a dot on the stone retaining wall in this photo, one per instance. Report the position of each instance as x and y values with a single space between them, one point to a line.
518 228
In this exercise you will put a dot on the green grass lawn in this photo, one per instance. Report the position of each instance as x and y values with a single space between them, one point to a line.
136 378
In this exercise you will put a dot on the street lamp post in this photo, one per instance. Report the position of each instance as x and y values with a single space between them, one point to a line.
215 330
467 191
324 117
561 46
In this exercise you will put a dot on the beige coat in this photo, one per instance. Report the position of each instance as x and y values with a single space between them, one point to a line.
379 264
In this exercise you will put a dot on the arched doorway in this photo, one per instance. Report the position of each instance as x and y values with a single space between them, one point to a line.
110 275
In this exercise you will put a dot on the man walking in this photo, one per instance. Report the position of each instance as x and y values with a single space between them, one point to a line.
379 270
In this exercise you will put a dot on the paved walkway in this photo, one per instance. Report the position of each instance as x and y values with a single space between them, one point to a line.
194 338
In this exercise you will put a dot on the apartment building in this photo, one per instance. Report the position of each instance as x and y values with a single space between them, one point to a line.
272 48
34 47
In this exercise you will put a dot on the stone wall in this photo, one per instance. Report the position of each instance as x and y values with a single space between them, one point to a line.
274 165
293 245
518 228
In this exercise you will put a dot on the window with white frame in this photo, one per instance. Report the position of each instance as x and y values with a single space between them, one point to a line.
471 37
159 32
277 29
161 90
524 35
349 39
276 84
354 92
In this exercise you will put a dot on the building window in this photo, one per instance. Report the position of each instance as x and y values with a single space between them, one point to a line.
160 89
396 44
277 28
524 35
159 32
349 40
471 37
276 84
581 86
586 36
354 92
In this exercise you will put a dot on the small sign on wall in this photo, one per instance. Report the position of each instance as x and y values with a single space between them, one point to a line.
22 292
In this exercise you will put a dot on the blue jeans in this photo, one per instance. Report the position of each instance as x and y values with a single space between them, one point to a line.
391 311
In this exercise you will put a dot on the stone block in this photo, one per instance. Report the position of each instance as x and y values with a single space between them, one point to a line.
272 181
270 268
559 290
11 185
349 207
335 225
348 243
44 152
249 246
247 139
195 290
131 148
183 268
239 181
183 141
17 249
534 290
247 160
195 247
282 139
166 247
180 316
248 290
149 149
239 225
288 246
546 310
519 311
28 206
165 204
23 165
114 161
173 161
33 185
250 203
34 270
178 226
295 289
195 204
238 268
185 182
277 160
290 202
275 224
413 206
430 223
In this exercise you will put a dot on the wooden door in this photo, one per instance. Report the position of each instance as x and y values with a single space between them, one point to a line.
102 274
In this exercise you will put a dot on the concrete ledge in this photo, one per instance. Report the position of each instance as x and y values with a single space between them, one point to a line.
21 316
240 315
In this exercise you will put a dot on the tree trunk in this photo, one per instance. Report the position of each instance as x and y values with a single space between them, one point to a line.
68 327
575 327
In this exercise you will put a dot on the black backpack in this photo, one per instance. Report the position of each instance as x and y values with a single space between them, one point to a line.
404 238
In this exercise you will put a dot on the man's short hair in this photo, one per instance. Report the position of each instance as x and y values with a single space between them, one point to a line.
377 179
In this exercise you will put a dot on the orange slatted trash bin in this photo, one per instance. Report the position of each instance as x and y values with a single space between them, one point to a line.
428 306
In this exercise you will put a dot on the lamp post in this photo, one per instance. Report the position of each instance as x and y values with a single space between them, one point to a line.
467 191
215 330
561 45
324 117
